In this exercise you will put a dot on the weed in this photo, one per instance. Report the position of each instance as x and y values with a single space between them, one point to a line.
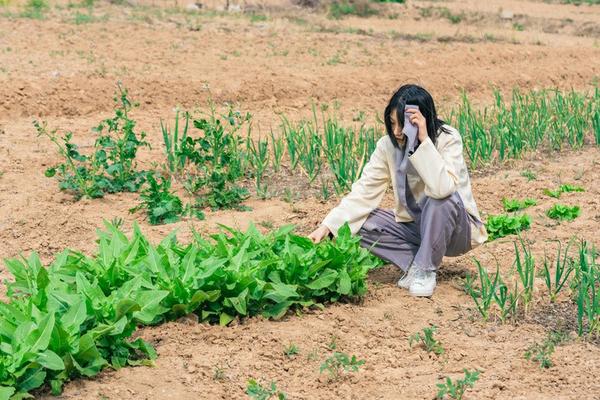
161 205
563 212
427 340
35 9
530 175
219 373
291 350
339 363
333 343
111 168
456 389
341 8
313 355
542 352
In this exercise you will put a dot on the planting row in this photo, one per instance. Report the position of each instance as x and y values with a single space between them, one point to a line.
508 300
211 158
76 316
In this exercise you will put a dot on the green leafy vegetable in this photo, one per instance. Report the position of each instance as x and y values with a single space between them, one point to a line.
499 226
563 213
76 316
516 205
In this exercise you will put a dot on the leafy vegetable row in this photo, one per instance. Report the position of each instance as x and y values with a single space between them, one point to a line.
76 317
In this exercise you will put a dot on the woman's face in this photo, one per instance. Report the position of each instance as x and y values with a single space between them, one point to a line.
396 128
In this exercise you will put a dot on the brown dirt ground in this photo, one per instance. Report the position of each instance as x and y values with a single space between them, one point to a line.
65 73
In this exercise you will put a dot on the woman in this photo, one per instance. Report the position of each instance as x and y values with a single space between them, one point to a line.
435 214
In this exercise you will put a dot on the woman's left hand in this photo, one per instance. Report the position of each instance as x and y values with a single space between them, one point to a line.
417 119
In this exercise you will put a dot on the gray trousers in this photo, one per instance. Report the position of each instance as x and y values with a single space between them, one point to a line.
443 229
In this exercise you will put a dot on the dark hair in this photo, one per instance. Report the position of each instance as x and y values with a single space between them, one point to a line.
414 95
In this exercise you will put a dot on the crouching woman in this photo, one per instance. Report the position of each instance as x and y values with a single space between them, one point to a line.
435 214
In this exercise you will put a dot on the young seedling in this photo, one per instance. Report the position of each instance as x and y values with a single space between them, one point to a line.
291 350
456 389
426 339
219 373
563 213
530 175
339 363
258 392
542 352
511 205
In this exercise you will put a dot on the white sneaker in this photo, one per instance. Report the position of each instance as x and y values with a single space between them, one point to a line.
406 279
423 283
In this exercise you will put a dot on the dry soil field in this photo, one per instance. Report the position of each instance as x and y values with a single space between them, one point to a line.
275 57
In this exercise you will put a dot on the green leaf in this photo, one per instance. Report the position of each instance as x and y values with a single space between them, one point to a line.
239 302
6 392
345 283
225 319
33 379
325 280
40 337
51 360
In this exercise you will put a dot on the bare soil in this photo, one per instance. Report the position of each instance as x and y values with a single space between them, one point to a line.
65 73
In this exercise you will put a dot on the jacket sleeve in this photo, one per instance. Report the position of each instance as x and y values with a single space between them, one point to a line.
439 168
366 194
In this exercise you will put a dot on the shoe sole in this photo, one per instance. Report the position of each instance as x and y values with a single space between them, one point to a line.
404 286
421 294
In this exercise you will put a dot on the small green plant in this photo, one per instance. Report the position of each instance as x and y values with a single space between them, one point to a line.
511 205
341 8
542 352
530 175
340 363
161 205
258 392
566 188
217 158
499 226
425 337
219 373
456 389
291 350
563 212
333 343
35 9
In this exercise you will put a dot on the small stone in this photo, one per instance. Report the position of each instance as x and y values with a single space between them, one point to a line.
507 14
193 7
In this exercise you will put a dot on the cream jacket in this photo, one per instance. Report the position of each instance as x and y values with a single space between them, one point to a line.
435 171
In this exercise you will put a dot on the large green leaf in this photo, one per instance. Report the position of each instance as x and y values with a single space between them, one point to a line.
51 360
323 281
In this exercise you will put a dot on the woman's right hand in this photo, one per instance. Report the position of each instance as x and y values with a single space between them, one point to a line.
318 234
